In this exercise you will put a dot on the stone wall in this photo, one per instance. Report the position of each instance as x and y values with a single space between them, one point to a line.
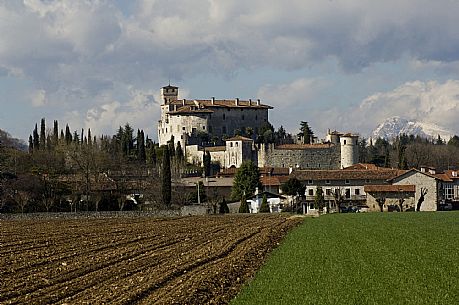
391 202
225 121
422 181
310 158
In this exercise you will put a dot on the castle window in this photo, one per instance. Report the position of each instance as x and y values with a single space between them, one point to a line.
231 144
347 193
166 129
237 144
203 127
327 181
344 142
311 192
310 181
357 191
256 118
346 181
224 116
327 192
183 128
242 117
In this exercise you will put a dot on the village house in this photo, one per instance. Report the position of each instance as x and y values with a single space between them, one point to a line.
345 187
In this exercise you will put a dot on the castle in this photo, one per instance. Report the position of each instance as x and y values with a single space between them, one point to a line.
184 121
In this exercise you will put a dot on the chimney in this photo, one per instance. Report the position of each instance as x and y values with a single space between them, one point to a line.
454 173
184 102
237 101
258 102
213 100
250 102
423 169
432 171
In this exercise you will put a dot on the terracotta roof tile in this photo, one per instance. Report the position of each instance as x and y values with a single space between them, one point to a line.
222 103
380 174
389 188
304 146
239 138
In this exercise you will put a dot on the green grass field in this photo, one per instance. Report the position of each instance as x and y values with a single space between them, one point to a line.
374 258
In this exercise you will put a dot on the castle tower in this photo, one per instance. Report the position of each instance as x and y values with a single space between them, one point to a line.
169 94
349 150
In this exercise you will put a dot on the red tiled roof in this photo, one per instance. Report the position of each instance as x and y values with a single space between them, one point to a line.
222 103
389 188
274 181
304 146
362 166
239 138
274 171
452 174
339 174
190 109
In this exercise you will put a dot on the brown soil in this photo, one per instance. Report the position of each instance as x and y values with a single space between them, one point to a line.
189 260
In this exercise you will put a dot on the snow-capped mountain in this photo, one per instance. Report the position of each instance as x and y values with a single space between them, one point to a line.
394 126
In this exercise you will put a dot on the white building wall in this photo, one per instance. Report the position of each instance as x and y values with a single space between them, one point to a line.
423 181
349 151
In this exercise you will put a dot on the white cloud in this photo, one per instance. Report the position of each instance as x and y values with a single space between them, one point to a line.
86 54
430 102
293 102
39 98
141 112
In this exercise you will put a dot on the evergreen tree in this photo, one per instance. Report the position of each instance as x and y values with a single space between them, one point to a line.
166 183
62 136
89 137
246 180
55 133
207 163
319 200
244 207
454 141
179 152
30 144
36 139
141 154
306 133
42 134
264 208
223 209
68 135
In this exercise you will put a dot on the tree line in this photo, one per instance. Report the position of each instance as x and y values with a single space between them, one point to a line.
76 171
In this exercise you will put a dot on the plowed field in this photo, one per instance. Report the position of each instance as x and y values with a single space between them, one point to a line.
189 260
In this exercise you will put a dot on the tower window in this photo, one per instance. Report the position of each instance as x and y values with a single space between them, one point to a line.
224 116
242 116
344 142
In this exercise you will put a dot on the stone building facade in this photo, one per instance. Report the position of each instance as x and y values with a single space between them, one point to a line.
182 119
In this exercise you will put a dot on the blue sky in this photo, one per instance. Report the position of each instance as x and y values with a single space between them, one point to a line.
344 65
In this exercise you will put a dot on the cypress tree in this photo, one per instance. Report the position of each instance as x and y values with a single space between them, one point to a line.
141 147
207 163
224 209
55 133
89 137
68 135
62 136
36 140
244 207
42 134
30 144
179 152
166 183
264 208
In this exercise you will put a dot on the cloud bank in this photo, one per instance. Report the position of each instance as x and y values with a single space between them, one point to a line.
77 53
